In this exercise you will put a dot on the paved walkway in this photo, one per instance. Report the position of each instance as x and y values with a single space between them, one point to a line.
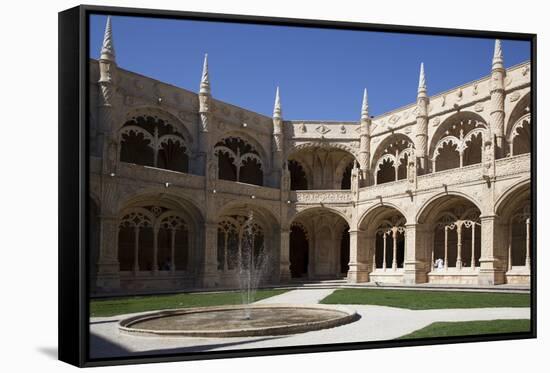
302 296
376 323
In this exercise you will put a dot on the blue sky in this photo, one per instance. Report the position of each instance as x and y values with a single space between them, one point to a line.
321 73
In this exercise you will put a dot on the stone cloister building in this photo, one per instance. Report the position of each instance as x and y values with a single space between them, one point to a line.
437 191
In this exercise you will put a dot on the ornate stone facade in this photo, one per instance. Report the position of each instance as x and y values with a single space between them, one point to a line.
436 191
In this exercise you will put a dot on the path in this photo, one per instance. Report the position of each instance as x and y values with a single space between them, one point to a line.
376 323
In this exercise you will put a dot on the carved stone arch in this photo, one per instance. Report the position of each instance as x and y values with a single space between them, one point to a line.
324 144
447 140
183 128
522 107
444 199
465 118
126 130
166 138
148 217
268 219
187 219
172 200
379 211
323 162
153 137
386 142
382 159
521 189
519 139
247 138
341 168
241 158
312 209
295 177
303 227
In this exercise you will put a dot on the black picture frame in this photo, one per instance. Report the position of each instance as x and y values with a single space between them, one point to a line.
74 167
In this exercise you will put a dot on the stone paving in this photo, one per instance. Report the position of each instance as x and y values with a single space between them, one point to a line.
376 323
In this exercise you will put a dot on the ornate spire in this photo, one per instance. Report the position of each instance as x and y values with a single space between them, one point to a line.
498 60
365 106
205 80
277 112
108 48
422 80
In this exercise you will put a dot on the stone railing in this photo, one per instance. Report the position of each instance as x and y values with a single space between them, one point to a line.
249 190
385 189
513 165
159 175
322 196
450 177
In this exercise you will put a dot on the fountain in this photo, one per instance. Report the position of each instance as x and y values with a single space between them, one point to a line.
252 263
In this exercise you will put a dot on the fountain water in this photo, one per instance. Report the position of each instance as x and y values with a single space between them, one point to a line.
253 262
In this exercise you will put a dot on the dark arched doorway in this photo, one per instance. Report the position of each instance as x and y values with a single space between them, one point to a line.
344 252
299 252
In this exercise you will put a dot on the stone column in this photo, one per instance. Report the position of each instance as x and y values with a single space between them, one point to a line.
108 277
284 257
490 272
210 263
155 249
416 241
394 249
459 245
358 257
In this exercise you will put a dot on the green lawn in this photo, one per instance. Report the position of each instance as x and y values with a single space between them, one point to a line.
424 299
463 328
117 306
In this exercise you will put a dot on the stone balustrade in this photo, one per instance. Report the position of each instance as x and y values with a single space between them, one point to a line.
145 174
322 196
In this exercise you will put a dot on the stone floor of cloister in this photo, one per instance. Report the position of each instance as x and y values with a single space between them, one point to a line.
377 323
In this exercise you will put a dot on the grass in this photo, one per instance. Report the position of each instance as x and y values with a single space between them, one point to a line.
118 306
425 300
464 328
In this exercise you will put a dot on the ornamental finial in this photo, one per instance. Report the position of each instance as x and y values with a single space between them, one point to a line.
365 106
277 112
422 80
108 48
498 60
205 80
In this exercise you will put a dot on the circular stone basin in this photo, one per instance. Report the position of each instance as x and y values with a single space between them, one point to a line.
232 321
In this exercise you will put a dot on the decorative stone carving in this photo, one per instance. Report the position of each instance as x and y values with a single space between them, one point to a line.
478 107
525 70
436 121
515 96
322 129
213 167
394 119
342 129
475 91
508 80
323 197
303 128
